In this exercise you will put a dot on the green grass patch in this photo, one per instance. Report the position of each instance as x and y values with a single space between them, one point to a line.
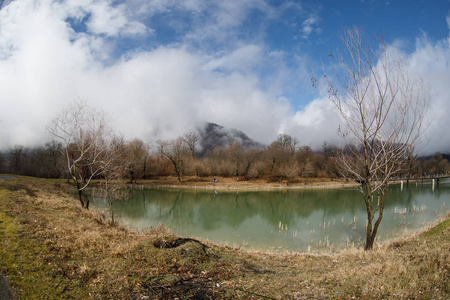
439 229
51 248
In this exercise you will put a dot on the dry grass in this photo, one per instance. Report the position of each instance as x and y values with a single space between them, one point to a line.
51 248
228 183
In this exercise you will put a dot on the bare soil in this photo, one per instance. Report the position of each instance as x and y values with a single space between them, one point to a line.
5 290
51 248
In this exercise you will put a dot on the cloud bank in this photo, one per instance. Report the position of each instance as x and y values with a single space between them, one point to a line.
54 52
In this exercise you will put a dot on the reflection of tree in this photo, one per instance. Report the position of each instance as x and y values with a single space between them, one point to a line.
229 208
276 207
238 211
178 212
187 208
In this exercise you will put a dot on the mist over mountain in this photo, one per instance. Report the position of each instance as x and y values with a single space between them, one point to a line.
212 135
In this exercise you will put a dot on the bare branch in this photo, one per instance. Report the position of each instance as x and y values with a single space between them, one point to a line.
382 107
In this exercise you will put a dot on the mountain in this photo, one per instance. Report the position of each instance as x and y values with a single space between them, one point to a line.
213 135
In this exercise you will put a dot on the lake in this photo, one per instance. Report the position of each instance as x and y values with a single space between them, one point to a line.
284 220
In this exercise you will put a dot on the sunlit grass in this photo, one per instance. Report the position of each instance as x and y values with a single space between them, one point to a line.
52 248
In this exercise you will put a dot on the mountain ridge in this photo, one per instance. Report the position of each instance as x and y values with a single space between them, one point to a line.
213 135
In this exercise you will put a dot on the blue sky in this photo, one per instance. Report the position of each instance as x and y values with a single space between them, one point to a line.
161 68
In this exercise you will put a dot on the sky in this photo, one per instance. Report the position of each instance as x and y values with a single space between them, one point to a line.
161 68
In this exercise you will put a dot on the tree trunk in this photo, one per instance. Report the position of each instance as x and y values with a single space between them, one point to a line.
371 232
177 171
80 191
132 177
369 208
145 168
380 217
80 196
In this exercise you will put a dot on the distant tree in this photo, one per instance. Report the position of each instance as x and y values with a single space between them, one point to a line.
304 157
85 136
191 138
17 156
214 159
176 152
2 162
437 164
136 155
287 142
280 155
54 159
382 107
112 181
330 153
251 156
235 154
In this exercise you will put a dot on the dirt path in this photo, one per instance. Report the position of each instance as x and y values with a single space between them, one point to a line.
5 289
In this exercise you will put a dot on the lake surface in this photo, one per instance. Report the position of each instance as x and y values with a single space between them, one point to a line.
286 220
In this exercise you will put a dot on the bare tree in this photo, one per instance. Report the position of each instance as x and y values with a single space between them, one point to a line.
17 157
137 153
112 184
191 138
85 136
235 153
382 107
176 152
251 156
280 155
55 162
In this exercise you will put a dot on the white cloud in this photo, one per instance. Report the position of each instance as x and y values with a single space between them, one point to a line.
150 94
168 90
432 62
243 59
309 25
219 20
316 123
448 20
111 20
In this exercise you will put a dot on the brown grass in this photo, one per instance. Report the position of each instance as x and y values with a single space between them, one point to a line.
51 248
228 183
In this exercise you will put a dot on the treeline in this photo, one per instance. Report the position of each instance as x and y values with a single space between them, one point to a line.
283 159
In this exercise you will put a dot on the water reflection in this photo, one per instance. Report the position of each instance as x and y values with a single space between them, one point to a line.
294 220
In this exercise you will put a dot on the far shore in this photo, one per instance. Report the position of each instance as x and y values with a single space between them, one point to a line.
203 183
232 184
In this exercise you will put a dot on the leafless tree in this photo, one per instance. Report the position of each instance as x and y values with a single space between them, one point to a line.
112 183
85 136
55 163
235 154
191 138
383 108
280 155
17 157
176 152
136 156
250 157
214 160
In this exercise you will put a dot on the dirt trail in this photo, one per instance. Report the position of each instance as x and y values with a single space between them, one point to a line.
5 289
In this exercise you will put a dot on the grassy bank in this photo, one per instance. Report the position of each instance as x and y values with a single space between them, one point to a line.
50 248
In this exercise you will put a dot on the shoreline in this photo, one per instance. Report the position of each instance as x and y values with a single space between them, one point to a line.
51 246
228 184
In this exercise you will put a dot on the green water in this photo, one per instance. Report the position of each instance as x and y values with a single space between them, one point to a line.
294 220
